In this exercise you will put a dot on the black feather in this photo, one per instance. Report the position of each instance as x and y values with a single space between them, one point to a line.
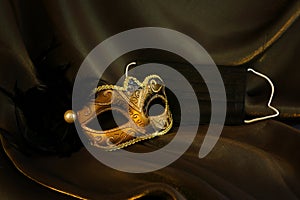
39 112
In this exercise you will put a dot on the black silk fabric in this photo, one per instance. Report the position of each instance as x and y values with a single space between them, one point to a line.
256 161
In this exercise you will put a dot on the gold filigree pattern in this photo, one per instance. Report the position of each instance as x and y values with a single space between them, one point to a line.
132 100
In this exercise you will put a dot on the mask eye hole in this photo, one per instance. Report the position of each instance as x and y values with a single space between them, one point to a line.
107 120
156 107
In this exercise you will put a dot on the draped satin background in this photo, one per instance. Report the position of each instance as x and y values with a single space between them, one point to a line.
249 161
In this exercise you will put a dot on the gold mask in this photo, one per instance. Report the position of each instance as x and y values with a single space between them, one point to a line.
133 100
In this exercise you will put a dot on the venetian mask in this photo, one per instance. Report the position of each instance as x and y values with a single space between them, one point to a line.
133 100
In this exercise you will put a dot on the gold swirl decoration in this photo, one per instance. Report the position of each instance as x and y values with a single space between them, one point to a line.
133 101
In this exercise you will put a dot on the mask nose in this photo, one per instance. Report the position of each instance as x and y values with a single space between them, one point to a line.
139 118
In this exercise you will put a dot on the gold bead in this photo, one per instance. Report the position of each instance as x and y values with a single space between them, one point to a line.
70 116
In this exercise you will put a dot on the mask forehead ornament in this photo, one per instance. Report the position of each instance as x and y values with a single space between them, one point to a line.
133 100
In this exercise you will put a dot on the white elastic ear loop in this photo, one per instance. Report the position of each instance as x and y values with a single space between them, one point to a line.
269 102
127 67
